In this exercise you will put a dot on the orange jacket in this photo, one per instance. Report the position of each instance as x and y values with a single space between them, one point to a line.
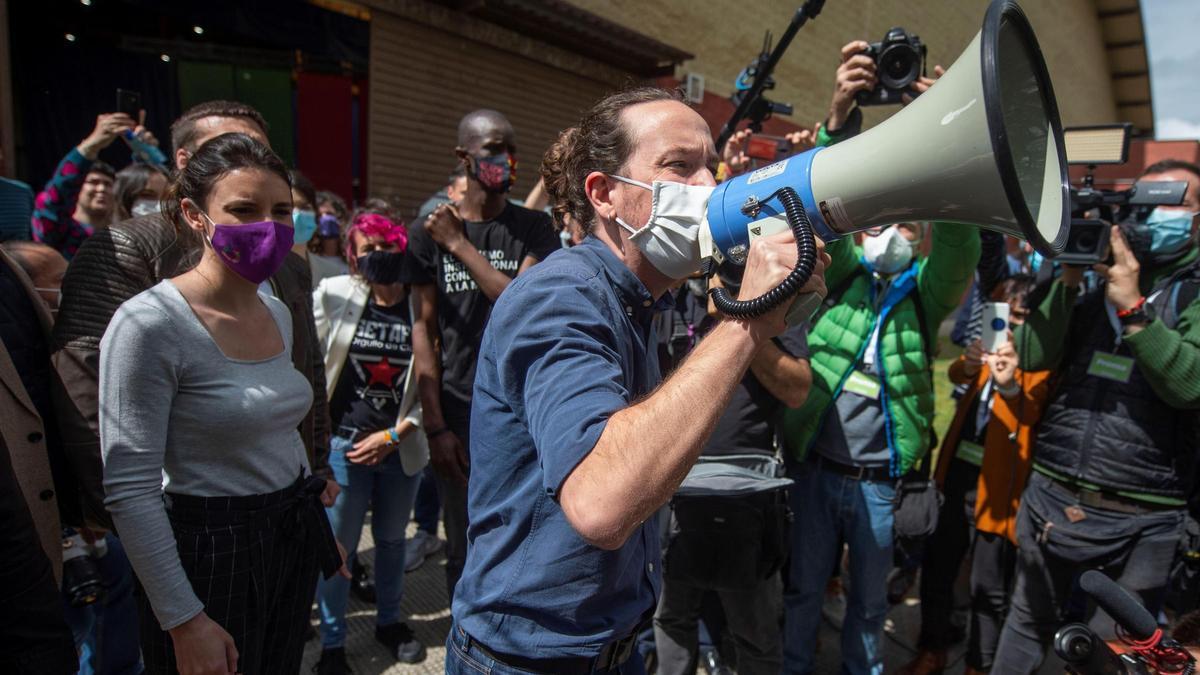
1006 463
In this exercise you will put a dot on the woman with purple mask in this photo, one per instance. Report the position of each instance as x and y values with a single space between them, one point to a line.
206 475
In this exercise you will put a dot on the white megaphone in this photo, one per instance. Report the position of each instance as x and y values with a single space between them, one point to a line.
982 146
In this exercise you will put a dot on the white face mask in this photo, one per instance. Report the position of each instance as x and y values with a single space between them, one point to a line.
670 239
889 252
144 207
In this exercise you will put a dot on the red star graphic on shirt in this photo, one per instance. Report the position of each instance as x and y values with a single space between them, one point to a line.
382 373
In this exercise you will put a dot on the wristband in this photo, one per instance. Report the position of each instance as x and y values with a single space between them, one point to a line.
1122 313
432 433
393 436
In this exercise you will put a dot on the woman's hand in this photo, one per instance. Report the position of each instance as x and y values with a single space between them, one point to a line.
343 570
330 494
1003 364
372 449
202 647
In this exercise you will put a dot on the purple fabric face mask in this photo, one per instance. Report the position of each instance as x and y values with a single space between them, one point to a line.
254 250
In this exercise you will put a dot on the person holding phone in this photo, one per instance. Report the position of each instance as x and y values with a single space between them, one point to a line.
78 199
982 468
206 474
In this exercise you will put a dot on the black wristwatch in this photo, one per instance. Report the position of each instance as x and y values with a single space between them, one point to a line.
1139 315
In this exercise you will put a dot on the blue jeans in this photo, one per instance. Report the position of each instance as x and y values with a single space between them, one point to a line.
464 657
829 509
391 493
106 632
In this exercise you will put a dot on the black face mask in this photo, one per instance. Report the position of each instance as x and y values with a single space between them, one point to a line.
381 267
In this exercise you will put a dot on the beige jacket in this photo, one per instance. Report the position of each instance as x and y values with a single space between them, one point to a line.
25 436
338 304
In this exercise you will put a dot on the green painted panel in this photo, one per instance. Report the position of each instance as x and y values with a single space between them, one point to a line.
201 81
270 91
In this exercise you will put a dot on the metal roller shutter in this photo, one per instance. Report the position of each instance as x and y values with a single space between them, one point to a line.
423 80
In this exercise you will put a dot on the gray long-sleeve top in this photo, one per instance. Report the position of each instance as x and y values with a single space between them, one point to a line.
177 415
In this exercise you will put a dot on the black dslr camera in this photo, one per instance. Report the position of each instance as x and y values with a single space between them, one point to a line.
82 582
899 61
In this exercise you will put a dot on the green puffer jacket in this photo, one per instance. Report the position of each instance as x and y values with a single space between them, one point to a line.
839 336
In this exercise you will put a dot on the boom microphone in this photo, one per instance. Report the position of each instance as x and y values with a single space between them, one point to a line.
1119 604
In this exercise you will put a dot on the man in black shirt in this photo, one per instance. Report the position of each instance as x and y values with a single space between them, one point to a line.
461 257
778 376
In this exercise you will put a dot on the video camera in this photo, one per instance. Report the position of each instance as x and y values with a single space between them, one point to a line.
1148 650
899 61
1088 242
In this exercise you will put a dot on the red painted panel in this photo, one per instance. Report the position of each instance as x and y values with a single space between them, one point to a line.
324 132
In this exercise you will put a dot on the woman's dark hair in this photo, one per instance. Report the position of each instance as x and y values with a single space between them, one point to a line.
599 143
301 184
1015 290
210 163
130 181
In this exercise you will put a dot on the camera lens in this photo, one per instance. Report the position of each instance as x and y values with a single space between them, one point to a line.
1074 643
899 66
1086 241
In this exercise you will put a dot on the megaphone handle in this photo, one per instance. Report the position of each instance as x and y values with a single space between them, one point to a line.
803 308
806 261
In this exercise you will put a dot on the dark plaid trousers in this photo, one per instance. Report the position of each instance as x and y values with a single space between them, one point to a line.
253 561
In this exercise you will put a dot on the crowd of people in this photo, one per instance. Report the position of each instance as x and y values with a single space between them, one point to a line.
213 371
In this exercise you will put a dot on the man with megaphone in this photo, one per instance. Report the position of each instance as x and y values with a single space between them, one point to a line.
575 445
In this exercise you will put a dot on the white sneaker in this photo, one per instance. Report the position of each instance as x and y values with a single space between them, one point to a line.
421 546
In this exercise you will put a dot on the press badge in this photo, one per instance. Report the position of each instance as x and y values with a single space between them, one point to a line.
1111 367
862 384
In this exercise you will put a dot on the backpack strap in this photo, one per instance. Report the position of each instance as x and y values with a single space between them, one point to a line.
1178 292
835 295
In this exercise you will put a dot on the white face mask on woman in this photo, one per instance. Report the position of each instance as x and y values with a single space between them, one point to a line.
889 251
670 239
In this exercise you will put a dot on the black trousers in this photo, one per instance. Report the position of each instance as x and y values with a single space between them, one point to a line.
253 561
944 553
34 637
454 502
993 565
1136 550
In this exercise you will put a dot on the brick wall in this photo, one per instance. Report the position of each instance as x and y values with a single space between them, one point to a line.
725 36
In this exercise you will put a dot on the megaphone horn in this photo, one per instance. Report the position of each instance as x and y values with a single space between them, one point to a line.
982 146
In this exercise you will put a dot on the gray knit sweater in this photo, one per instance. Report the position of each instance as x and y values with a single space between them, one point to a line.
177 415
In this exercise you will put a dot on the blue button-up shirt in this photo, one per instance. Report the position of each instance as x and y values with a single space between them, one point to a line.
569 343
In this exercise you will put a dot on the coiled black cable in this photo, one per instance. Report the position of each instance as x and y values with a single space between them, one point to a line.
806 261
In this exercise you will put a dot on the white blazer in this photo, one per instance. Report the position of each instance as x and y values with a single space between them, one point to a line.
338 304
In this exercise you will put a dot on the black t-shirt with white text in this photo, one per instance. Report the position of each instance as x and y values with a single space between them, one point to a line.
463 309
371 384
